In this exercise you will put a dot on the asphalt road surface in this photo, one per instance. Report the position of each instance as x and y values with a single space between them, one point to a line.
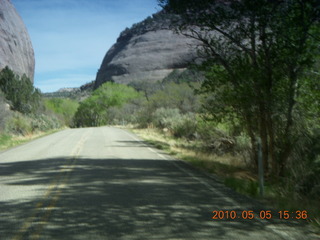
105 183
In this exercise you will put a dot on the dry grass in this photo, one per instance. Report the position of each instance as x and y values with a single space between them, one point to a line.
9 141
231 169
226 165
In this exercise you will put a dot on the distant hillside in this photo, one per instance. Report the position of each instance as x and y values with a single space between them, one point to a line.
148 51
73 93
63 93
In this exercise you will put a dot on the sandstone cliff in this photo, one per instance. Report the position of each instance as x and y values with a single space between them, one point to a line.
148 51
16 50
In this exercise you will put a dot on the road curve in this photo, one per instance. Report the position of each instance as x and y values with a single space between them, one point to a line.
105 183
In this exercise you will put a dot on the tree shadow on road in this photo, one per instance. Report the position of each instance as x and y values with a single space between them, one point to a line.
123 199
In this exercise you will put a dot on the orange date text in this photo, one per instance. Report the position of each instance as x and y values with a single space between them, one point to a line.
263 214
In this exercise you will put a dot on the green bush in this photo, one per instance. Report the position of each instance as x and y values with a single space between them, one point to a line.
208 131
176 96
64 108
243 186
4 139
123 115
43 122
215 137
143 116
185 126
166 117
19 91
4 112
93 111
19 125
305 165
179 125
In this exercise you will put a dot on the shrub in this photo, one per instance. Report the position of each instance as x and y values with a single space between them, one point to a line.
176 96
122 115
19 91
243 186
44 122
305 165
4 112
166 117
215 136
19 125
63 107
179 125
144 116
93 111
185 126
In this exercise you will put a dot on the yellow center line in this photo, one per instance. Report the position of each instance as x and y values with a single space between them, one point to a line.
45 217
55 185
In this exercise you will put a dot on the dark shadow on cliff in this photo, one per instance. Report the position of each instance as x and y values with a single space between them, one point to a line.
122 199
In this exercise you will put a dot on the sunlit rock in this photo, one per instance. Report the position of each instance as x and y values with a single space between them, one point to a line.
148 51
16 50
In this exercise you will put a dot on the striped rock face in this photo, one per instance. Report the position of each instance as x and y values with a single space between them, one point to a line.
148 51
16 50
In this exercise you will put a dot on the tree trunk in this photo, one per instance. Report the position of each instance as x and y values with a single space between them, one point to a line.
283 157
264 137
286 149
272 155
250 130
254 152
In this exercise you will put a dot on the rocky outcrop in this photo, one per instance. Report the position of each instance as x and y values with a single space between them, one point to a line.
16 50
148 51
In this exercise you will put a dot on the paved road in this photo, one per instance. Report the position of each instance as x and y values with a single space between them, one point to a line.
104 183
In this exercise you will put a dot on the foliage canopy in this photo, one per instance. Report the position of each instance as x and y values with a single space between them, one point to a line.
93 110
19 91
258 54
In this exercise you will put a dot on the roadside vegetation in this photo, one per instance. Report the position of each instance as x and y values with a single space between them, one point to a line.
24 114
102 106
262 77
171 115
63 108
258 82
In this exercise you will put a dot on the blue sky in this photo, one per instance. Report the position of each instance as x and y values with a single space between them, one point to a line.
71 37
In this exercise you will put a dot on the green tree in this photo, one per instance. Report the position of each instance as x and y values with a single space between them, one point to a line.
65 108
94 110
180 96
19 91
5 114
145 87
257 53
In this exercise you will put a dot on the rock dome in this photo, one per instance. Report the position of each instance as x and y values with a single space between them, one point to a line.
148 51
16 50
